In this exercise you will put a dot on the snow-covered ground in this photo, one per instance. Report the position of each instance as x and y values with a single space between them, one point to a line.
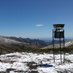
18 62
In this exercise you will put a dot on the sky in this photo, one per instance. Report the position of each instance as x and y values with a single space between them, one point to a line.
35 18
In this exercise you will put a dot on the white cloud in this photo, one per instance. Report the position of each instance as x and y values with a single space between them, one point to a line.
39 25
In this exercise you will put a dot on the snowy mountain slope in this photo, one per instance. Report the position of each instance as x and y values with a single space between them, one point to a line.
67 44
6 40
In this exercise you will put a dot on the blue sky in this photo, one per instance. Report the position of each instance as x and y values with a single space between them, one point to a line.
35 18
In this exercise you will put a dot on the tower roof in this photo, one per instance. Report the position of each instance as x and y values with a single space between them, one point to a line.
58 26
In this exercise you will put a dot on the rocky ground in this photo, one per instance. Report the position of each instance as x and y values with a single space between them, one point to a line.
35 63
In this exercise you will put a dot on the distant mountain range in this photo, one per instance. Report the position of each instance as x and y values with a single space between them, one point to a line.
36 42
12 44
28 41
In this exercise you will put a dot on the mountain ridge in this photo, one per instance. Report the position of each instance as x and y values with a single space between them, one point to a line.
19 44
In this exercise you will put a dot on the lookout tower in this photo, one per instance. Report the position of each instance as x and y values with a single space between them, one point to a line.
58 35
